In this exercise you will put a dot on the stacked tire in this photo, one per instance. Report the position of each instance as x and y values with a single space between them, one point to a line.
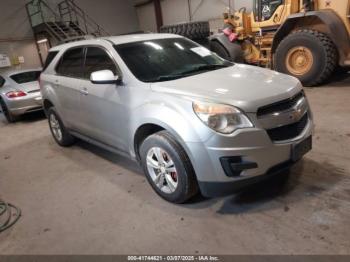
193 30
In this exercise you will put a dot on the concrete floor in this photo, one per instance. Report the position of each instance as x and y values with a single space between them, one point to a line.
83 200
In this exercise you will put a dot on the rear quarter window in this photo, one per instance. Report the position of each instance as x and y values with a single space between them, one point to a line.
71 63
51 56
26 77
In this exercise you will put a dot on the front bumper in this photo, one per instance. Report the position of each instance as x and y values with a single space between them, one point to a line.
251 146
26 104
218 189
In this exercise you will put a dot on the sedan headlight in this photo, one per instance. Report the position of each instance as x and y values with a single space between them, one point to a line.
224 119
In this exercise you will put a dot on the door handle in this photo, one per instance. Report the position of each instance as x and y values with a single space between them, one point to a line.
84 91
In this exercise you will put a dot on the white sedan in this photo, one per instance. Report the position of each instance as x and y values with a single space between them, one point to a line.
20 93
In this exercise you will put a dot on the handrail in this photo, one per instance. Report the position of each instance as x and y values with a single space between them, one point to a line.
58 25
87 20
57 16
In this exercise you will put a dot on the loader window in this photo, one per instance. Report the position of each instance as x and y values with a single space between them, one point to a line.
309 5
264 9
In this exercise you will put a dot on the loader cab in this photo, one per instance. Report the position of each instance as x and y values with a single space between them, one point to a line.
270 14
265 9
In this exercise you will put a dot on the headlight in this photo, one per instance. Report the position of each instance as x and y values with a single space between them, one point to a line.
224 119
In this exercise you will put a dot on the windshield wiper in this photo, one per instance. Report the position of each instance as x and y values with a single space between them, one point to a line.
187 73
203 68
166 78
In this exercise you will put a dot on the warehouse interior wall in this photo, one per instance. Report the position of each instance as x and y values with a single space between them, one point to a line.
178 11
16 37
23 48
115 16
147 18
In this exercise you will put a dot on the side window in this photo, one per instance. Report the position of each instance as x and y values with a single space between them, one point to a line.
97 59
269 7
2 81
71 63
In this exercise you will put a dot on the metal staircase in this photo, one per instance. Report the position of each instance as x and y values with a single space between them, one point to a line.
63 23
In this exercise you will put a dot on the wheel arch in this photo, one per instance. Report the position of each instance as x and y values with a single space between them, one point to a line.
151 127
142 133
47 104
325 21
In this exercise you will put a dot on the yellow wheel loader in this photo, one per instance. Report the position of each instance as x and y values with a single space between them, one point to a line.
307 39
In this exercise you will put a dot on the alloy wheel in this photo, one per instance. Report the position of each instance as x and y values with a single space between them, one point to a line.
55 127
162 170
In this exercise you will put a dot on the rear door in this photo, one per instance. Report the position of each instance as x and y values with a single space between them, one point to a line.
68 83
102 106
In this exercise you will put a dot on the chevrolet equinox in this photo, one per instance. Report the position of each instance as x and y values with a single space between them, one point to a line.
194 121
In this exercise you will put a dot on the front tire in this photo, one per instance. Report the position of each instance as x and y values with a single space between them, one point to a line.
58 130
168 168
308 55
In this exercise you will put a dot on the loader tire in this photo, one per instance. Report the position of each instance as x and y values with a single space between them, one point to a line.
236 54
308 55
220 50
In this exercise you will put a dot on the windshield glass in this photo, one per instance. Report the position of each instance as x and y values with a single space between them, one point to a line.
26 77
168 59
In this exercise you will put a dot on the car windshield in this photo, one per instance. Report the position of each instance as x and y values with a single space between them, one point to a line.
168 59
26 77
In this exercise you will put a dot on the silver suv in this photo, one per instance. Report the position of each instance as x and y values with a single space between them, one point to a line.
194 121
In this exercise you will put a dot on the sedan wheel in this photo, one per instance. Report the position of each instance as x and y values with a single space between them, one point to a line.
9 117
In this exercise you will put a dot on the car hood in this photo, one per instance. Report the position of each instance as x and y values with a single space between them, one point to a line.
246 87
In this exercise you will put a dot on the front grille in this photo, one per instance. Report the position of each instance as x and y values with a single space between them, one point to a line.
279 106
289 131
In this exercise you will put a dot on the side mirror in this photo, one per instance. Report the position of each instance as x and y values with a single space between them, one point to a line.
104 77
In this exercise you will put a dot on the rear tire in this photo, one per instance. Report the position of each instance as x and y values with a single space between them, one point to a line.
58 130
308 55
180 172
217 48
235 56
9 117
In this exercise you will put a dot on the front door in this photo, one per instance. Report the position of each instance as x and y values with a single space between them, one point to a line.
68 84
102 108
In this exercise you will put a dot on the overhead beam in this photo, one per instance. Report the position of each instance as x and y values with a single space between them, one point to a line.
159 15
